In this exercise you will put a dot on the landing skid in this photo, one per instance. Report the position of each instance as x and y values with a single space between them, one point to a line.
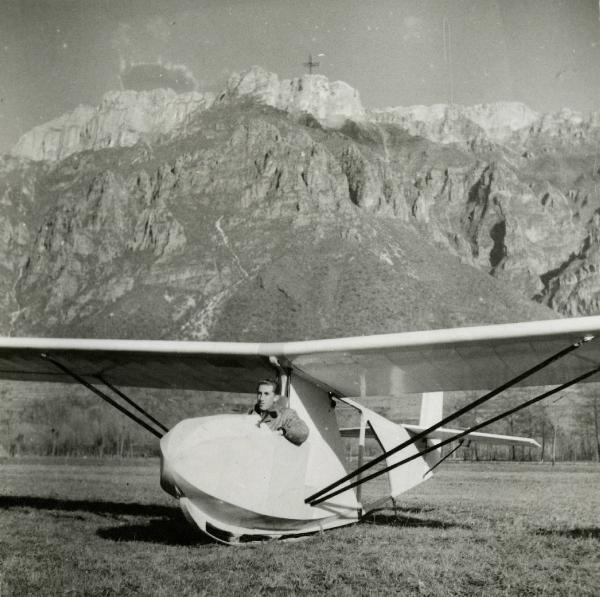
235 535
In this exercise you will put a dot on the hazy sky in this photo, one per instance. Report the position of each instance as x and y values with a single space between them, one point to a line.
56 54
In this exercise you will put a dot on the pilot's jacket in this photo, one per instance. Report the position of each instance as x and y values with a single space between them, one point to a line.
287 419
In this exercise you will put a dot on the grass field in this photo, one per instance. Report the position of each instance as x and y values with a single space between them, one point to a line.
106 528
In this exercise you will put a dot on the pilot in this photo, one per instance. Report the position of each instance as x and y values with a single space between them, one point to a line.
284 421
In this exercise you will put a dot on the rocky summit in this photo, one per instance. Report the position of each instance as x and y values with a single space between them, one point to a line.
283 209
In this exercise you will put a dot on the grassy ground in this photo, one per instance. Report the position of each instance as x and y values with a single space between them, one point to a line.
106 528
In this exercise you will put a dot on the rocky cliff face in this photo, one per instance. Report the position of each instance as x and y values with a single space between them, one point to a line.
329 102
460 124
251 227
125 118
122 119
504 123
281 209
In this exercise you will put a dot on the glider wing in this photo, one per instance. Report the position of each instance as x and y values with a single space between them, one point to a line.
467 358
474 358
227 366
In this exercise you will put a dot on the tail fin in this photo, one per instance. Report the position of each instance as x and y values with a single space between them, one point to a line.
432 408
389 435
432 411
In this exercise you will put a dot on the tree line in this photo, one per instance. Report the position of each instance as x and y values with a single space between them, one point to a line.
76 428
567 427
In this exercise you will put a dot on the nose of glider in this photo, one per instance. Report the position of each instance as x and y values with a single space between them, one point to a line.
167 481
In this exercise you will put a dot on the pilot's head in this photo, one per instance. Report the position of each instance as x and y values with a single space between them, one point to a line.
265 394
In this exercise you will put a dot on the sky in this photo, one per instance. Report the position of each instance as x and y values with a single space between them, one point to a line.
57 54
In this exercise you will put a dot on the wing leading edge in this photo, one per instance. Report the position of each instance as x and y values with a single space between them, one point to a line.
468 358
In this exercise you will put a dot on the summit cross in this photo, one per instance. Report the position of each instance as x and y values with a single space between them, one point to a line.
311 64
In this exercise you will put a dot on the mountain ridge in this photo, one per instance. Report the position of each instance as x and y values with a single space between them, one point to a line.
124 118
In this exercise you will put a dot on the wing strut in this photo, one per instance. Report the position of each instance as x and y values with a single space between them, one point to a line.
108 399
460 443
456 437
131 402
312 499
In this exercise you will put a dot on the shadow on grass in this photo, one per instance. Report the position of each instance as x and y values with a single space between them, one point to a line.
93 506
168 525
385 517
174 530
586 533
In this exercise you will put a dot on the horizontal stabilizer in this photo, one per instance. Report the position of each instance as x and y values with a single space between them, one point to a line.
443 433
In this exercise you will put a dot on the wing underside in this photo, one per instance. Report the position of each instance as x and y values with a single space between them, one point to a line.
164 368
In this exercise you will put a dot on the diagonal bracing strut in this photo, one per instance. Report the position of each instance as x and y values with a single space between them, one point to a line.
460 443
102 395
312 499
456 437
131 402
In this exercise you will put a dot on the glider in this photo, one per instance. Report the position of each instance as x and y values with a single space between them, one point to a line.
238 482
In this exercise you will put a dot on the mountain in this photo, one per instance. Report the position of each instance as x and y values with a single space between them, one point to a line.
206 211
254 223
